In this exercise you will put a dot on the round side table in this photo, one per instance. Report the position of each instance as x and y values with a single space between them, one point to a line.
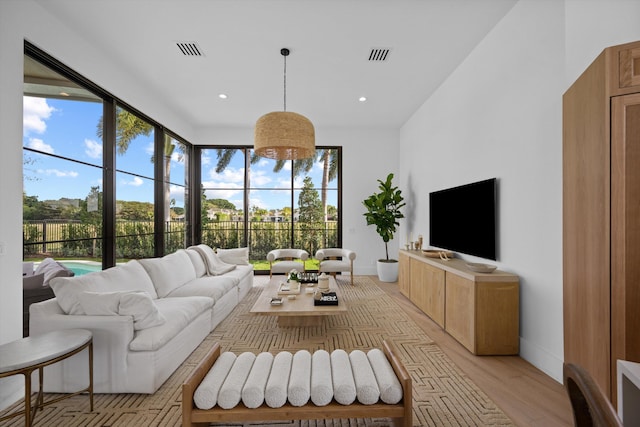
25 355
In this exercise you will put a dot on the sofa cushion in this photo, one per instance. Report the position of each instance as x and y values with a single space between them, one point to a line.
178 312
126 277
240 272
169 272
50 269
215 266
139 305
237 256
208 286
197 261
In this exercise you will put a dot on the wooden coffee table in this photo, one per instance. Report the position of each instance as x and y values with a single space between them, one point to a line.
299 311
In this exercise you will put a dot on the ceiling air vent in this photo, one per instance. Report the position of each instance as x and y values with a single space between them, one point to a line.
379 54
189 48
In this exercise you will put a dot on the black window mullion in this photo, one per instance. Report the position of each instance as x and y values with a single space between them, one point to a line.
293 209
158 198
109 184
247 189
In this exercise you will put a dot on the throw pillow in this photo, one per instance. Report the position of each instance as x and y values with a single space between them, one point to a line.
124 278
169 272
100 303
52 269
142 308
238 256
138 305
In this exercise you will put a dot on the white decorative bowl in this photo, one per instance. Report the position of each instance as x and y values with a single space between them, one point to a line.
481 268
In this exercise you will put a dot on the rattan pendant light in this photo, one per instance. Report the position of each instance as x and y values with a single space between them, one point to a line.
283 135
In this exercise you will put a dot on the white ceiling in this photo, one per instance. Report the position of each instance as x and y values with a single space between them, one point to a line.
327 71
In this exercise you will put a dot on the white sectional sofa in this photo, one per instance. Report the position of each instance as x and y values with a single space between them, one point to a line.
146 316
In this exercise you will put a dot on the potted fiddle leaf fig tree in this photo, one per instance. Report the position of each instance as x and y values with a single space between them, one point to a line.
383 211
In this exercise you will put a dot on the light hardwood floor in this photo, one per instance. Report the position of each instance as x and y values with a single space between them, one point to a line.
527 395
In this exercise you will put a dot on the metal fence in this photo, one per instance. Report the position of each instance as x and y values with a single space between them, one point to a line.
135 239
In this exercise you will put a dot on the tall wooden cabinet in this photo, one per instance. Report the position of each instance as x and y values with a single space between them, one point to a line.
601 215
481 311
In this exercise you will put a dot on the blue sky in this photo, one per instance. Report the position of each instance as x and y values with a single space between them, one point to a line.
68 128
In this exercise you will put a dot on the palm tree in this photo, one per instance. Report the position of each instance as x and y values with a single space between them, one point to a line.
129 127
224 158
329 159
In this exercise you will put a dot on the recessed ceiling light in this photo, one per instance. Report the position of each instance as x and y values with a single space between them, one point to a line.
64 94
222 96
362 98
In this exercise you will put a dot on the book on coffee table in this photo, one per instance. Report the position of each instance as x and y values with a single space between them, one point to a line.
327 298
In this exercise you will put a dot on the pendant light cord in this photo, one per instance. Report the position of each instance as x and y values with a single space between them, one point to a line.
285 82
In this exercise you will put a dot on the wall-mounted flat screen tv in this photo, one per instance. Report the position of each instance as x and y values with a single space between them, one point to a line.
463 219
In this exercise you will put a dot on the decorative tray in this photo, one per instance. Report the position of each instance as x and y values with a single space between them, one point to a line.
435 253
481 268
284 289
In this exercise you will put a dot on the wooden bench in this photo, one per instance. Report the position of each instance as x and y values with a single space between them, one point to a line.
401 413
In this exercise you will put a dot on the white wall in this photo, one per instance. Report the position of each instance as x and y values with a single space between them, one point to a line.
500 115
368 155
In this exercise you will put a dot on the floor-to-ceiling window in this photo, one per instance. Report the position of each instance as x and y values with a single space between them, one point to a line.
175 193
135 184
102 182
63 166
264 204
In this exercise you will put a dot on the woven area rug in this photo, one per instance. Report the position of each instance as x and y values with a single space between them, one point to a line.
442 394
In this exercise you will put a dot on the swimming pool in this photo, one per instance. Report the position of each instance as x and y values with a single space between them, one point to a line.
82 267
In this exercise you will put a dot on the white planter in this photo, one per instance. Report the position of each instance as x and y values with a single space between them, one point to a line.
387 271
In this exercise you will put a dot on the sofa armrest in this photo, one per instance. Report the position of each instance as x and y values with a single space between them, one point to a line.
113 331
33 282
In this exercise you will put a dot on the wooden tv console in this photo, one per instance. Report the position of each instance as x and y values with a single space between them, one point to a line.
479 310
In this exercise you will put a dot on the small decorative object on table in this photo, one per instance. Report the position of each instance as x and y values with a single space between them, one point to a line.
310 278
437 253
327 298
481 268
293 281
323 282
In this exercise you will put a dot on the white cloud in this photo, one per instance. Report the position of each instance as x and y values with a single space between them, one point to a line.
205 160
93 149
259 178
150 148
40 145
177 157
58 173
135 182
34 113
257 202
227 177
227 193
176 192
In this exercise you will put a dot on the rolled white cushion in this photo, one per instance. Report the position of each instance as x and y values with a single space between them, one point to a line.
367 390
321 384
299 389
344 387
206 394
388 383
231 390
275 394
253 390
